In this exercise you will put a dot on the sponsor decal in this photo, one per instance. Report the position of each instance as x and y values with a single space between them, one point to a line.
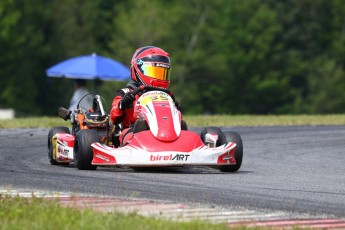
102 157
171 157
159 97
181 157
163 65
62 151
226 157
164 97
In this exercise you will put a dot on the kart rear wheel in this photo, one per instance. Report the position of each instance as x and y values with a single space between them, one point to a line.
52 132
231 136
83 153
184 125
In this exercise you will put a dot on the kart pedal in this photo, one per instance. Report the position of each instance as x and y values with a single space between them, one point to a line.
64 113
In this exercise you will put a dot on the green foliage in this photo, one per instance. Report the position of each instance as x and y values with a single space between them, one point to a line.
326 87
228 56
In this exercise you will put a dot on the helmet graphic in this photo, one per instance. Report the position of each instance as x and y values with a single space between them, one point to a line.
150 65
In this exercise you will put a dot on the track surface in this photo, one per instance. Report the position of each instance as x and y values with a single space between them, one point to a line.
292 169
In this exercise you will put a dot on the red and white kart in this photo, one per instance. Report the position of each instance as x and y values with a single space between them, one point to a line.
160 138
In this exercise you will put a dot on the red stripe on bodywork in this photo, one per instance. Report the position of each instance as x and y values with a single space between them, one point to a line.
166 129
100 157
228 158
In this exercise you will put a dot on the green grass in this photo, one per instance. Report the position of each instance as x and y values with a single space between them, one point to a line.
199 120
38 213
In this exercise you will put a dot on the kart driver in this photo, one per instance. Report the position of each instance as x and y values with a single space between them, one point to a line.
150 66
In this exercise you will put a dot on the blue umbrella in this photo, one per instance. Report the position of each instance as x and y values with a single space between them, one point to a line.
90 67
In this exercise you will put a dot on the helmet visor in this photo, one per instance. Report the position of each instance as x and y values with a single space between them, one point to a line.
159 71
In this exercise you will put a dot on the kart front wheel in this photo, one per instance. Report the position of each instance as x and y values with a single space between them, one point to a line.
52 132
224 138
83 153
231 136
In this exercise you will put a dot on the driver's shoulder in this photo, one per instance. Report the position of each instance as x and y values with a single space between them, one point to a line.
133 85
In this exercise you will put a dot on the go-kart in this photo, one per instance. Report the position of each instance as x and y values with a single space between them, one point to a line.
160 139
65 146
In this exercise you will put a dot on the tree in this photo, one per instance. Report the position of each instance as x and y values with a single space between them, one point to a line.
21 41
228 56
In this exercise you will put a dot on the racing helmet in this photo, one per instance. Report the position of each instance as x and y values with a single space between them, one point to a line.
150 66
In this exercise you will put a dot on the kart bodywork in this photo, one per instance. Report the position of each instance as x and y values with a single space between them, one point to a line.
160 138
186 150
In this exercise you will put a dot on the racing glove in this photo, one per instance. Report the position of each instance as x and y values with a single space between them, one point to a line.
126 101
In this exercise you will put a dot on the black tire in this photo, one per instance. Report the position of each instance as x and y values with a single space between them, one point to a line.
234 137
184 125
52 132
83 153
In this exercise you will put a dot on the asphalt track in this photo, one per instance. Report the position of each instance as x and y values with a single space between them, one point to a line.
296 169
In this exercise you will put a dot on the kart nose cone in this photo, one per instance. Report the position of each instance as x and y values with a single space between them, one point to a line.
166 134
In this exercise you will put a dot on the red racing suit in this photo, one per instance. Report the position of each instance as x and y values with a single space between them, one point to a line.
126 117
